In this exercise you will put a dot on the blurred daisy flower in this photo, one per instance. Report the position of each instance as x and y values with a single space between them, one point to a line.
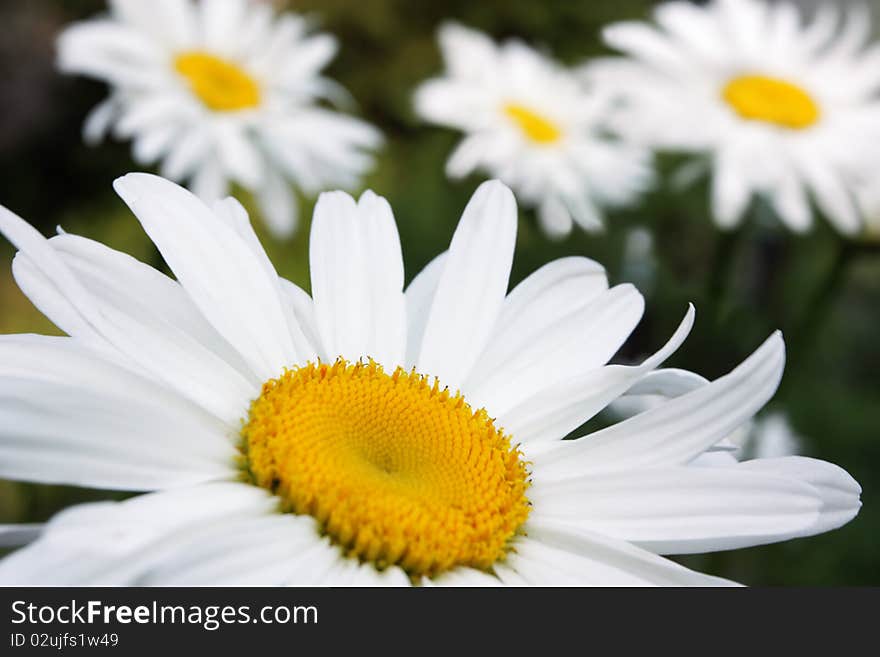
221 91
776 105
296 439
532 124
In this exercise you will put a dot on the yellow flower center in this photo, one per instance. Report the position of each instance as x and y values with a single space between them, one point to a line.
760 98
534 126
395 469
219 84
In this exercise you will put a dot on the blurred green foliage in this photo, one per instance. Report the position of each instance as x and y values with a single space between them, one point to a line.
771 279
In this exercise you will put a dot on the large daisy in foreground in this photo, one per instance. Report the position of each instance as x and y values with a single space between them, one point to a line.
778 106
366 434
535 126
221 91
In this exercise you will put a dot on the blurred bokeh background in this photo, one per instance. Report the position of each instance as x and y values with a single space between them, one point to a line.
823 293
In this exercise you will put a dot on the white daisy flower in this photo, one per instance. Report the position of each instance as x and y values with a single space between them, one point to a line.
221 91
296 439
777 105
533 125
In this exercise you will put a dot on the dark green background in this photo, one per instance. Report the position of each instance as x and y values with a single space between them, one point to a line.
823 293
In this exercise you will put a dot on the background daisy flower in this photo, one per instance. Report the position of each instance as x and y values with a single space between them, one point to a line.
778 105
221 91
531 123
318 439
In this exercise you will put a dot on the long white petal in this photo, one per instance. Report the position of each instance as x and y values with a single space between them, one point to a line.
681 510
554 291
419 297
122 543
838 491
278 205
217 268
678 430
551 413
18 535
472 287
554 556
574 344
70 416
127 308
357 279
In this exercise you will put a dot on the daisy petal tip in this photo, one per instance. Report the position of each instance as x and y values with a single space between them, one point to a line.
496 192
690 316
333 202
452 33
613 34
369 198
139 181
778 341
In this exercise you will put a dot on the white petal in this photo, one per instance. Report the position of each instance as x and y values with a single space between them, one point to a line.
152 144
357 279
646 44
509 577
418 297
576 343
318 566
236 217
681 510
69 416
551 413
220 22
838 491
693 27
555 291
278 206
171 22
134 311
466 577
18 535
833 198
350 572
121 543
790 201
262 550
109 51
466 52
730 191
468 154
472 286
241 160
678 430
154 110
209 181
99 120
217 268
668 383
193 152
312 54
555 218
554 556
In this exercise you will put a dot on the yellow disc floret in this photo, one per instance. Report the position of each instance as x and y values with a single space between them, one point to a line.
395 469
219 84
534 126
760 98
